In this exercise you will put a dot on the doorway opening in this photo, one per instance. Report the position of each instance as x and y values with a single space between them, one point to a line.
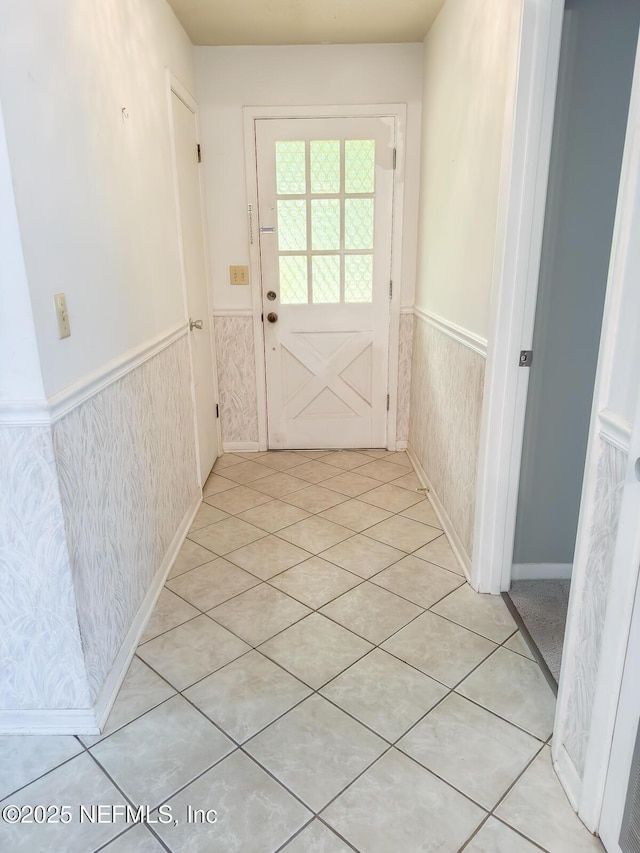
599 42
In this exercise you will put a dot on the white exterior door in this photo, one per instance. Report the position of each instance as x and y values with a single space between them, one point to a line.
192 233
325 196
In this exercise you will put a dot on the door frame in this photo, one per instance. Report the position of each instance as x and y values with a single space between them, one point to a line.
521 211
251 115
175 87
515 284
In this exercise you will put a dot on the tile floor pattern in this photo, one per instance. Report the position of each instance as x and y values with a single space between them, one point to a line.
317 671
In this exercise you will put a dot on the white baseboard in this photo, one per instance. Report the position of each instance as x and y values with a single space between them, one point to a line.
240 446
89 721
454 540
568 776
49 722
541 571
401 445
111 686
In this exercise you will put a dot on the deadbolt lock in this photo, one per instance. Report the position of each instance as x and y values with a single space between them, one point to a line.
271 295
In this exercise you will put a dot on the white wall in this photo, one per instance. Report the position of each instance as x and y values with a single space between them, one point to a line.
20 377
470 55
93 189
91 521
469 79
229 78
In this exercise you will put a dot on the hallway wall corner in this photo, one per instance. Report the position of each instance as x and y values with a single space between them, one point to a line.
43 669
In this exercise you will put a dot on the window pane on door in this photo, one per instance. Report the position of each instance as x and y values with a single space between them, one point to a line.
358 223
359 165
325 166
293 280
358 278
290 168
325 224
292 226
326 278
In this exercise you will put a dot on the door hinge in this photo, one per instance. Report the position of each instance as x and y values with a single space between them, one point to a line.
388 401
217 410
390 290
199 153
526 357
395 157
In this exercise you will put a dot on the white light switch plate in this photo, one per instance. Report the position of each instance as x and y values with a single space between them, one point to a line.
238 275
64 329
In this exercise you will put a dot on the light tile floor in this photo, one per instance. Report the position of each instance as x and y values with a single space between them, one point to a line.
319 673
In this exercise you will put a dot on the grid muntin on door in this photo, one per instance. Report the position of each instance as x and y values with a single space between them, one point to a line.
325 191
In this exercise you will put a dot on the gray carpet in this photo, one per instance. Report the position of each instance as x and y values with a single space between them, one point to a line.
543 608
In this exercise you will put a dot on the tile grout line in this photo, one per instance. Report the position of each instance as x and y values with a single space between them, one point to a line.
376 645
311 556
451 690
503 798
316 691
126 797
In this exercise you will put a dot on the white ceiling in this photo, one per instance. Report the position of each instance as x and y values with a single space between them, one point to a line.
226 22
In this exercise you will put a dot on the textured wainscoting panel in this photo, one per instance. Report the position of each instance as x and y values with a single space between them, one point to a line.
41 662
404 376
237 378
447 382
595 594
126 462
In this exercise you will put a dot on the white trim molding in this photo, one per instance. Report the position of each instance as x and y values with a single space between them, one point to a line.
49 722
615 429
24 413
458 333
523 194
44 412
91 720
541 571
68 398
568 776
454 540
241 447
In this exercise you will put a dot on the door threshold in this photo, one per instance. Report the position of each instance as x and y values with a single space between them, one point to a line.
531 643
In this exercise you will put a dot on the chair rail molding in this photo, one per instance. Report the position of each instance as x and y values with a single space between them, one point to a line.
458 333
24 413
